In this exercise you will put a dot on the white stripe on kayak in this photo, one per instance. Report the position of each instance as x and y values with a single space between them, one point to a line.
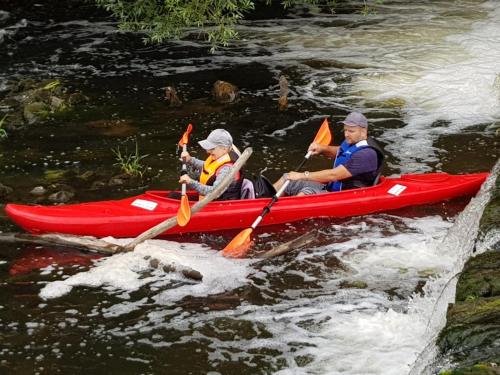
396 189
147 205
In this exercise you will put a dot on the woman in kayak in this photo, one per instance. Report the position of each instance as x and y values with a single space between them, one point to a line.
358 161
222 154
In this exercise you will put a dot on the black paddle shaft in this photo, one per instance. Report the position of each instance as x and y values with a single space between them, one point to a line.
275 197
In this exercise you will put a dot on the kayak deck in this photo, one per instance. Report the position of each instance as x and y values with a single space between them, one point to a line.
130 217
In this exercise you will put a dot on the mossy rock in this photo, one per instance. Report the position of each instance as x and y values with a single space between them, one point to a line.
24 85
428 272
472 324
355 284
480 278
54 174
393 103
481 311
36 111
478 369
5 190
463 341
77 98
31 102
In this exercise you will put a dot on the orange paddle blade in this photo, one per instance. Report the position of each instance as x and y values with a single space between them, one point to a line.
184 213
324 136
240 245
185 137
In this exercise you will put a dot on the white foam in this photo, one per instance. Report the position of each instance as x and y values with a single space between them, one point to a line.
126 273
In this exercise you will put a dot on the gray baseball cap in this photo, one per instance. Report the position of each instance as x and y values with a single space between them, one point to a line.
217 137
355 119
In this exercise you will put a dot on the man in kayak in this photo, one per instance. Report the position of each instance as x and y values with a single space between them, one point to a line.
221 156
358 161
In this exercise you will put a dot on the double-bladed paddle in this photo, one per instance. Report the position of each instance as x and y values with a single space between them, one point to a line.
184 213
240 244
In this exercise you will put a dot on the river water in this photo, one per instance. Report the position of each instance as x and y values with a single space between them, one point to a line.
366 299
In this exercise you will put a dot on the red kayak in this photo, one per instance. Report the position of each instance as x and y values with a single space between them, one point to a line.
131 216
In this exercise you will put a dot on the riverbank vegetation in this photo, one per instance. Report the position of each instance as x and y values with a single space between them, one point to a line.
214 20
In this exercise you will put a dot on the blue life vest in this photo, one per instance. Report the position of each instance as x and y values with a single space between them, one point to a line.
344 153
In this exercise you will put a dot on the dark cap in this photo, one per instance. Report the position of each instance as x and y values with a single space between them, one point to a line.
355 119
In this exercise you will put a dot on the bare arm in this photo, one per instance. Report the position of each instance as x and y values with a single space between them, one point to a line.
328 151
324 176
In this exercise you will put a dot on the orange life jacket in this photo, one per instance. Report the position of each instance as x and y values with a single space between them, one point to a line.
210 170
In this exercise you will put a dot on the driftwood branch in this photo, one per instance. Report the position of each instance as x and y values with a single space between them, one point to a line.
286 247
75 242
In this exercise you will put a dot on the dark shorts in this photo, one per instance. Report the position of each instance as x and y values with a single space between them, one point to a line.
305 187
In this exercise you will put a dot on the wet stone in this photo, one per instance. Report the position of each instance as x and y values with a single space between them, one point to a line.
87 176
97 185
116 181
471 325
354 284
36 111
5 190
491 214
168 268
491 368
56 102
171 97
77 98
61 196
38 191
192 274
224 92
480 278
154 263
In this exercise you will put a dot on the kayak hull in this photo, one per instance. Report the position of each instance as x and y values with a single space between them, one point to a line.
130 217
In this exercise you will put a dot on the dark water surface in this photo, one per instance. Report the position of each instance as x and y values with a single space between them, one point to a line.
294 314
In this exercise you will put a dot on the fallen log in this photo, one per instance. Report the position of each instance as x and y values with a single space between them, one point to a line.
294 244
87 243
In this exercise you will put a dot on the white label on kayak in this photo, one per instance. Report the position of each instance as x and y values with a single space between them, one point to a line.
147 205
396 189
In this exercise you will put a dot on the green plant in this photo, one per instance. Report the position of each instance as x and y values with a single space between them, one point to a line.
52 85
3 133
130 164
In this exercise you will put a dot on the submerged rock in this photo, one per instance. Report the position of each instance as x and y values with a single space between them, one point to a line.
5 190
224 92
114 128
354 284
283 98
30 102
38 191
77 98
171 97
34 112
62 196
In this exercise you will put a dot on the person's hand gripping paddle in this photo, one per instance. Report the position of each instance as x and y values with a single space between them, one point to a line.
240 244
184 213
